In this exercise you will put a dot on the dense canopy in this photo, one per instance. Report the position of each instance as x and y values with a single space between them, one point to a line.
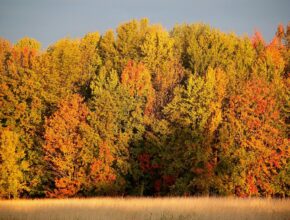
143 111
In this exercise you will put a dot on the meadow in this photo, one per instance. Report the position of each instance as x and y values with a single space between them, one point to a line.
145 209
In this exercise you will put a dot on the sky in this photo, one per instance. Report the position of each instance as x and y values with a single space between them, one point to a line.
49 21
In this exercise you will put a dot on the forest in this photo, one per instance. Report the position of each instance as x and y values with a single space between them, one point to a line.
142 111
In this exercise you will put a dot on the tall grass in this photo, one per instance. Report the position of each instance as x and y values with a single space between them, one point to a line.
146 209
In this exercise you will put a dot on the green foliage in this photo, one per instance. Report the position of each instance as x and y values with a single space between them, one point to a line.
117 117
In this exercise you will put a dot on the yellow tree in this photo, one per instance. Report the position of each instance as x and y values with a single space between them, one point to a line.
90 59
21 106
108 51
62 70
128 41
12 164
195 114
158 54
200 47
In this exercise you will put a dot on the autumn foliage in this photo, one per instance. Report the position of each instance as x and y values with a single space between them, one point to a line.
142 111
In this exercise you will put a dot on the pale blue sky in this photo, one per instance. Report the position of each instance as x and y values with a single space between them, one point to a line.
48 21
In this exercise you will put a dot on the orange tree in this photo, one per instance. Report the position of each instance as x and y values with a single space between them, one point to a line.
77 160
254 150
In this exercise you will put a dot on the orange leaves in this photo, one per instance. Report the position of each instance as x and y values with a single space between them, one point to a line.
25 52
256 111
257 101
64 142
273 51
137 79
190 111
101 170
65 187
258 40
252 185
75 153
273 54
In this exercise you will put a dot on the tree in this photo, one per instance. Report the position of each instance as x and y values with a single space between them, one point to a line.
28 43
254 150
157 54
195 114
90 59
156 47
21 106
12 165
118 119
61 72
108 51
258 42
72 150
143 111
200 47
128 41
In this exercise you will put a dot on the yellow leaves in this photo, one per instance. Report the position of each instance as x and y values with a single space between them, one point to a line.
273 53
156 48
192 99
11 167
28 43
217 82
90 58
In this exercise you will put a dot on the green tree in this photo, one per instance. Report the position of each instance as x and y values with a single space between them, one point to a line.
194 115
117 118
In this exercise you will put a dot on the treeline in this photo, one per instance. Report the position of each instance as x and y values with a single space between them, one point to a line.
143 111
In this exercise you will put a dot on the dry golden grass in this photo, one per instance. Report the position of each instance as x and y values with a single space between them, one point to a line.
146 209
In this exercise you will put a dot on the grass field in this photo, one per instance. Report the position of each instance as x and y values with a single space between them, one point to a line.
146 209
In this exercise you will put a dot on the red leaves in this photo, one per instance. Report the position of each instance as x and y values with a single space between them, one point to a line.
198 170
144 162
168 180
206 170
157 185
